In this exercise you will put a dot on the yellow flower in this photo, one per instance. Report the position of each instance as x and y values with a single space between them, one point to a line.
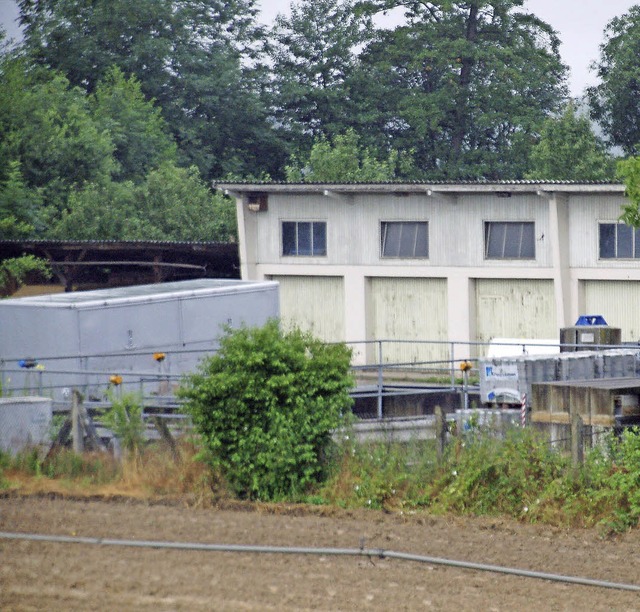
115 379
159 356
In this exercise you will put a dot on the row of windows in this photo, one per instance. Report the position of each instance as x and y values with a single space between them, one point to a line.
410 239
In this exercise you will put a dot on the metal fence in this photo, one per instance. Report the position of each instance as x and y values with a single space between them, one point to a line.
383 385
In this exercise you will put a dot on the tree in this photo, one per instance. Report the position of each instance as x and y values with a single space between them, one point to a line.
178 205
194 58
19 205
629 172
171 204
47 128
314 53
135 125
568 150
615 101
342 160
465 84
265 406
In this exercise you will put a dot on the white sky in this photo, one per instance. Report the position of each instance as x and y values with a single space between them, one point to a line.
579 23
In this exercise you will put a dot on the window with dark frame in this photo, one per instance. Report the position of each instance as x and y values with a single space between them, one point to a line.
618 241
509 240
304 238
404 239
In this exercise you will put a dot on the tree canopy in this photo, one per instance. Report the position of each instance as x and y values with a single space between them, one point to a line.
112 110
615 101
465 85
568 150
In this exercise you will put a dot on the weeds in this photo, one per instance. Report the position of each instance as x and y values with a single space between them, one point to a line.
518 475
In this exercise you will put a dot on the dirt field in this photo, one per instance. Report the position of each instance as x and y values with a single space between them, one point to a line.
66 576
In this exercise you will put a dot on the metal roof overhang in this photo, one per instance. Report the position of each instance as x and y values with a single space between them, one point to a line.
504 188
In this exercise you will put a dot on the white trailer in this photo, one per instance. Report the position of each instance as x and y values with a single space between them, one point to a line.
146 334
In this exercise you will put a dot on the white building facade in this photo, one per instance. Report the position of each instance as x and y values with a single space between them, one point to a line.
442 262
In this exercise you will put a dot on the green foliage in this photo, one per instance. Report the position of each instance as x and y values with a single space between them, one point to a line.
14 271
484 475
49 142
19 205
265 406
380 475
465 84
195 59
124 419
171 204
618 486
568 150
342 160
314 51
135 125
629 172
615 102
91 468
519 475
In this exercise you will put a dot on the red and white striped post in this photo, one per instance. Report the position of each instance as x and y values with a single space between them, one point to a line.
523 410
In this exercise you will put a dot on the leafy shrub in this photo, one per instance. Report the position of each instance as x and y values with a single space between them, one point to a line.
265 406
485 475
124 419
618 485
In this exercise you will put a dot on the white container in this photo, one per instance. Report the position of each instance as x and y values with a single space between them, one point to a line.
78 339
24 422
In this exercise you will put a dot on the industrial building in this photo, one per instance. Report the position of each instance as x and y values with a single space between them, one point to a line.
449 262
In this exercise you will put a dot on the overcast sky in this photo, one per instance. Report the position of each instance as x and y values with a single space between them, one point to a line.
579 23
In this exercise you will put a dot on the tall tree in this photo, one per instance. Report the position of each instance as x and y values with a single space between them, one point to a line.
193 57
314 53
136 126
46 127
615 101
466 84
568 150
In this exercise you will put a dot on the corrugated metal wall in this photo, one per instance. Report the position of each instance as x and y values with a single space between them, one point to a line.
584 218
515 309
617 302
409 309
313 303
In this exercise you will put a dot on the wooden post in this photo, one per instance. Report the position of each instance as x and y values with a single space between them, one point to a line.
577 440
164 432
441 431
76 426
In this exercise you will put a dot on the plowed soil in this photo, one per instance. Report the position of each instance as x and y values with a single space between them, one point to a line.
37 575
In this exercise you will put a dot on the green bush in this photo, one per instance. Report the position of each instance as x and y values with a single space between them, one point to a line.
124 419
266 405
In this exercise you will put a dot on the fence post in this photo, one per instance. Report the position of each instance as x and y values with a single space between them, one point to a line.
380 380
76 428
441 431
577 440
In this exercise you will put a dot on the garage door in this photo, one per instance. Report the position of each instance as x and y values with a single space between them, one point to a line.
314 304
507 308
618 302
413 310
